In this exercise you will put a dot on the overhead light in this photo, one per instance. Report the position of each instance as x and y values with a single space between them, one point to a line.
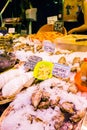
55 1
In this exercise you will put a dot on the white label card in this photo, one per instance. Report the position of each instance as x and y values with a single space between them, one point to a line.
48 46
11 30
51 19
60 70
32 61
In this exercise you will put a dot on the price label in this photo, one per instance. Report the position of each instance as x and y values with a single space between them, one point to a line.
48 46
58 26
60 70
51 20
11 30
43 70
32 61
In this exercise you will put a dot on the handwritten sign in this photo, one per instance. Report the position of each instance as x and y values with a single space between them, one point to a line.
32 61
58 26
48 46
43 70
60 70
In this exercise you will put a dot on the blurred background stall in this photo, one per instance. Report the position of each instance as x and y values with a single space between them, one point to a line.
45 9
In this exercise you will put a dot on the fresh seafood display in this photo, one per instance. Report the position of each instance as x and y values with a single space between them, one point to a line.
44 107
36 99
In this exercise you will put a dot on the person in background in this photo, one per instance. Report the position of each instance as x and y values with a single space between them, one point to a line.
82 29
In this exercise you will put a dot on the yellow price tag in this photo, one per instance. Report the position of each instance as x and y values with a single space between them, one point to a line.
43 70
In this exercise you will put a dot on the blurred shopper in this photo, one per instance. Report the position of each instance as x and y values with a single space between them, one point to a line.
82 29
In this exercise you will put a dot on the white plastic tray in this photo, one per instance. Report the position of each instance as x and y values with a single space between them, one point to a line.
72 42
